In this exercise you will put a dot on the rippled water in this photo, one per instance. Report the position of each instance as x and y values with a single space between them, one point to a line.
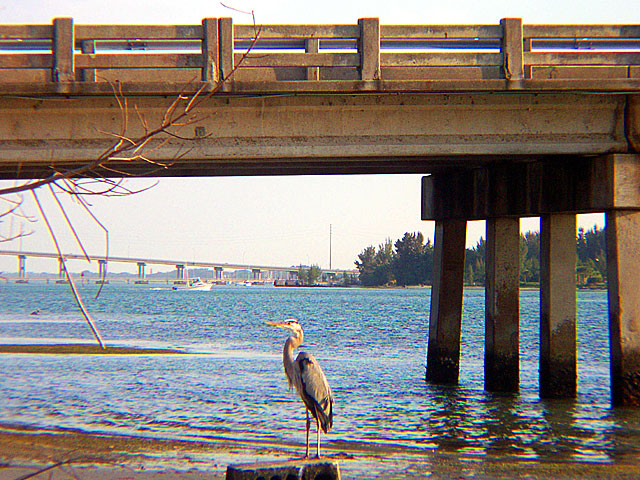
371 344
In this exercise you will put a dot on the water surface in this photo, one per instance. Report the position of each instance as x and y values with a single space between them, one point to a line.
371 344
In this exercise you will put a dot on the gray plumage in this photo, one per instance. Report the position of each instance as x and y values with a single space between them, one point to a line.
305 374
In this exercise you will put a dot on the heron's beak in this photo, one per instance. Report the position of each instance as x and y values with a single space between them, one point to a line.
275 324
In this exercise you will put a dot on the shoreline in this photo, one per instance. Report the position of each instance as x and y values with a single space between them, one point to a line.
94 456
81 349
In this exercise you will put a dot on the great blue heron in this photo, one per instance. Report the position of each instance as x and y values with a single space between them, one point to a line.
306 375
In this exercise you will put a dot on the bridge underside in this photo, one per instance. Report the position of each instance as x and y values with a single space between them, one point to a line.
296 134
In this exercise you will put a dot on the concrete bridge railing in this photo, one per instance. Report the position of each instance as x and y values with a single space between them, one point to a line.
85 59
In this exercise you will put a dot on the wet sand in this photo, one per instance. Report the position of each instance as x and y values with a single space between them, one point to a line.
83 349
86 456
76 455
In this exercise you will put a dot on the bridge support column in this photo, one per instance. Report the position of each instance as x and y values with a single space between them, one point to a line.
443 354
558 377
22 269
556 190
256 274
292 275
623 265
502 305
62 276
219 273
102 272
141 274
179 274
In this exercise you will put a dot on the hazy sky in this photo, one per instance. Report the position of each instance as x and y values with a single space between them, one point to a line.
274 220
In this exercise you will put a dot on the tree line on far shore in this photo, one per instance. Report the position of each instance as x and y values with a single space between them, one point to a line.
409 261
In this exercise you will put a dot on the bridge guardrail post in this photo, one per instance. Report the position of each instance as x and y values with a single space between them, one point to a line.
210 50
225 55
87 74
63 68
512 48
369 48
312 45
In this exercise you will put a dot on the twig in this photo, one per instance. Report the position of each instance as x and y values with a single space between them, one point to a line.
106 240
74 290
42 470
69 224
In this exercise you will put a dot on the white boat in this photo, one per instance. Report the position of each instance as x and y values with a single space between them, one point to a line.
194 284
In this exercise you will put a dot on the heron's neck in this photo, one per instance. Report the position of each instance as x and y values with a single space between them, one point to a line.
290 345
293 342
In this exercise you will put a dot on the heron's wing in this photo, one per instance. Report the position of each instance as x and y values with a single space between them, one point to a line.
316 392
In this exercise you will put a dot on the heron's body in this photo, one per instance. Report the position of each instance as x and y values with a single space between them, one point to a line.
304 373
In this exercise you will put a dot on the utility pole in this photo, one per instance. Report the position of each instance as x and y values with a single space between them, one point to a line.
330 231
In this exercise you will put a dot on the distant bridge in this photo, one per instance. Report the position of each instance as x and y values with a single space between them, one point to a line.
257 271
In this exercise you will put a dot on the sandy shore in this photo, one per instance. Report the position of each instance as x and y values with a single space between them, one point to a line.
73 456
83 349
98 457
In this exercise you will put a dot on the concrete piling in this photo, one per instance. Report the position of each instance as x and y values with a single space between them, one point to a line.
554 190
62 276
292 470
502 306
623 267
102 272
180 274
142 279
22 269
558 377
443 354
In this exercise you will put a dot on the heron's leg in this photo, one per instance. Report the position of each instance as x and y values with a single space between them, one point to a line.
318 434
306 454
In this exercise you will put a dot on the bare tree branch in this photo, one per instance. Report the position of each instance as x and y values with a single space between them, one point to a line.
72 284
89 178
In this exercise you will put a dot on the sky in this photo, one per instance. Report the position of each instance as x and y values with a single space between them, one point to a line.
265 220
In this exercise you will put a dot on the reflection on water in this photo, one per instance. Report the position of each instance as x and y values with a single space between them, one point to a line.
230 382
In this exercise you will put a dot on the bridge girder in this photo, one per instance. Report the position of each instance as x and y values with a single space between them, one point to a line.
318 134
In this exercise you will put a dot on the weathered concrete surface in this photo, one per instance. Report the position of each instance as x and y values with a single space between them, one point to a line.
623 271
555 185
311 134
558 377
292 470
445 316
502 306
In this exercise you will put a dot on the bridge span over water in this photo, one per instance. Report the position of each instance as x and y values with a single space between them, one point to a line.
509 120
258 272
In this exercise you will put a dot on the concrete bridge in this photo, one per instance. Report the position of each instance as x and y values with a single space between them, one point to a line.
511 120
258 272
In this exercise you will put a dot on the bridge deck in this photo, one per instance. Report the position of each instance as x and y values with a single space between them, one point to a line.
168 262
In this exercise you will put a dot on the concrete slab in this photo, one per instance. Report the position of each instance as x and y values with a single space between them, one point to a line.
291 470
